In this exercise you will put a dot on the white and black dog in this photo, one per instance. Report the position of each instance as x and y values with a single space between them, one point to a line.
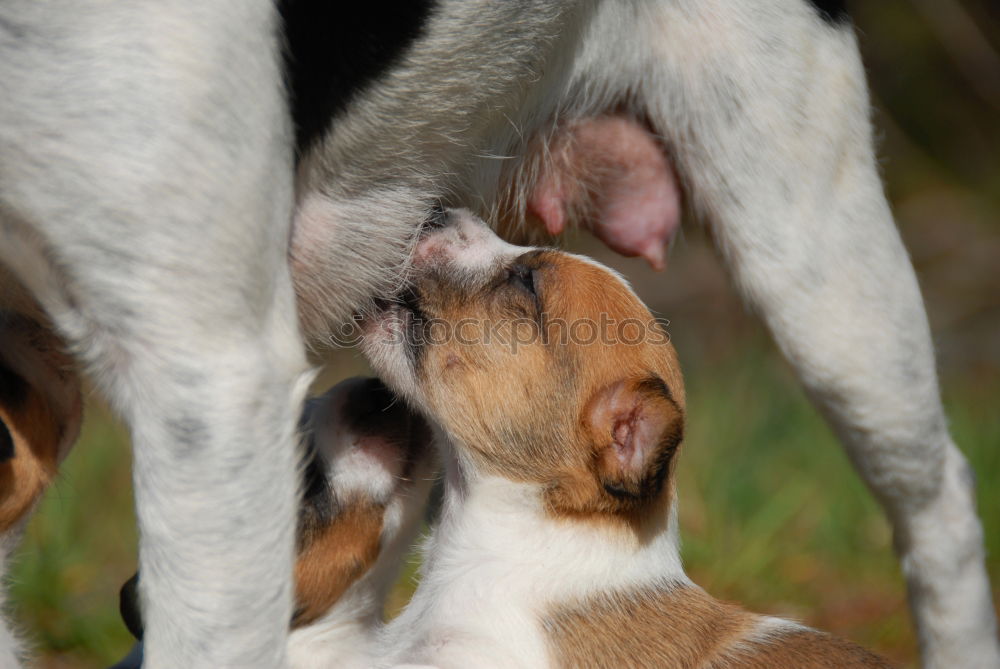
190 225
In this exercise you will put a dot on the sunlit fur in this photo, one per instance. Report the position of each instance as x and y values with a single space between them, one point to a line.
763 111
152 207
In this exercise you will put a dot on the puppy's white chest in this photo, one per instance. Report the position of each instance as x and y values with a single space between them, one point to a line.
479 620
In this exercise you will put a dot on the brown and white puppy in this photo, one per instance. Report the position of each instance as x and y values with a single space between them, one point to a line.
40 415
368 469
369 472
563 403
41 407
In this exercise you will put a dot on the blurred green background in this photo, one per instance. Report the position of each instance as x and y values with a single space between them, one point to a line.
772 514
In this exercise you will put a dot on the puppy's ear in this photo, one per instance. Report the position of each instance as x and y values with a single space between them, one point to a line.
636 426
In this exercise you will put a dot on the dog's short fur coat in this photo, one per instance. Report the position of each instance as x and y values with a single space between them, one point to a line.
155 204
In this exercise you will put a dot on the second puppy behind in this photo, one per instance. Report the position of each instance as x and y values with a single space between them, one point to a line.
369 470
557 544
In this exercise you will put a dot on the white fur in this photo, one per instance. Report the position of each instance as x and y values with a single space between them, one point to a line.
350 472
467 245
10 646
494 564
145 158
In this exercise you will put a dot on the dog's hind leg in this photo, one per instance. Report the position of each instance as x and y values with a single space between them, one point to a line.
145 157
764 110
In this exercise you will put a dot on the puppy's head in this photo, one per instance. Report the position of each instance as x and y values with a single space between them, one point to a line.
541 366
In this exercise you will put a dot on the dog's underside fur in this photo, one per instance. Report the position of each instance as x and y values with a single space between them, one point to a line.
188 237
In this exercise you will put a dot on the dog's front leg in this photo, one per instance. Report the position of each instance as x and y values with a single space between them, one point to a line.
146 163
766 112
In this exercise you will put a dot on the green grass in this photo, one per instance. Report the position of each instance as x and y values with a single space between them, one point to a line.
78 549
771 513
773 516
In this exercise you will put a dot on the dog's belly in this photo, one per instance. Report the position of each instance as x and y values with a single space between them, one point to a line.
606 173
511 129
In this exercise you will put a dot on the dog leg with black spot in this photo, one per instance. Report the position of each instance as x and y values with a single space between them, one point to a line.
148 211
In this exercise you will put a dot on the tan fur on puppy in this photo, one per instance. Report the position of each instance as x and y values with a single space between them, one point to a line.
34 429
463 382
333 558
682 627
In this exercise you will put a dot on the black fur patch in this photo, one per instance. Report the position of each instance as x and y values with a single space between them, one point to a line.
335 49
13 388
832 11
370 407
6 443
318 505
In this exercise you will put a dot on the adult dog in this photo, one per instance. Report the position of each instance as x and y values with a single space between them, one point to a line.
151 197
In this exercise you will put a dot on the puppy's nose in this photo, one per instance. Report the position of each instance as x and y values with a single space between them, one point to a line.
444 229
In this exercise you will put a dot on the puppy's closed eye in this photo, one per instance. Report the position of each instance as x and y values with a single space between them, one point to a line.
523 277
